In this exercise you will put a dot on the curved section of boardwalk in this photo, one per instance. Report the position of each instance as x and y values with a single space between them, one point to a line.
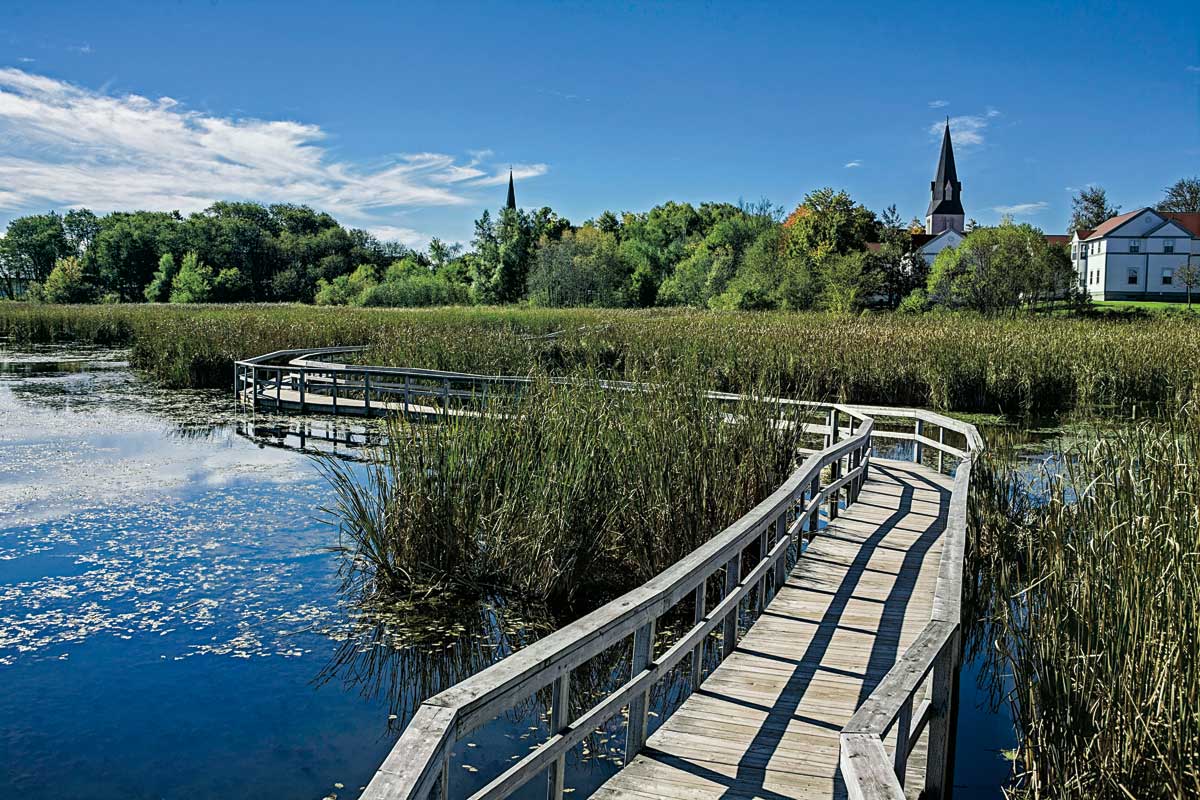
845 685
766 722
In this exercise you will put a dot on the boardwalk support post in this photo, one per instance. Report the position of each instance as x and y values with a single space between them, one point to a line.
918 449
334 376
367 392
643 651
699 598
560 717
732 577
943 713
303 382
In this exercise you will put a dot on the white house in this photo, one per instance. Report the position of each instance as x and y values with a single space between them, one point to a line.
1134 256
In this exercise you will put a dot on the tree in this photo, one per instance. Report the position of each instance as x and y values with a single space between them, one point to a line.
901 269
230 286
67 283
159 288
584 267
1187 276
848 281
1089 208
1182 196
81 227
998 270
33 246
193 282
829 221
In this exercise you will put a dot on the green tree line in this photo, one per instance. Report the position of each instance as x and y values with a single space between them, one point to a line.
830 253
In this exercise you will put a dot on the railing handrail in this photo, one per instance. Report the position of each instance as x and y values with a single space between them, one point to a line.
868 772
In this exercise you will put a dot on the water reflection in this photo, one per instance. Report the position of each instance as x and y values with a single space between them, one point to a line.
170 621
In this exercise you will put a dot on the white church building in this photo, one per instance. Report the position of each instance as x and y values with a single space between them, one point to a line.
1135 256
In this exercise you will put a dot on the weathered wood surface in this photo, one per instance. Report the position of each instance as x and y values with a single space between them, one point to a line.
766 722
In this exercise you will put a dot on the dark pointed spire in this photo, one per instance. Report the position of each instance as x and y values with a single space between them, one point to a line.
512 193
945 187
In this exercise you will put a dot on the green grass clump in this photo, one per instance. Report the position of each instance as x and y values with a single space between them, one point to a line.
572 491
1091 599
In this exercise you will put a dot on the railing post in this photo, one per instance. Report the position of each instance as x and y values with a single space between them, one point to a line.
446 397
835 472
699 599
764 546
903 728
278 386
303 381
643 651
814 512
781 532
444 788
334 376
918 450
833 427
254 387
941 440
367 392
560 717
732 575
943 714
407 395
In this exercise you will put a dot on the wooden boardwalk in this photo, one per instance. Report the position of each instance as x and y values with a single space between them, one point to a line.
765 723
845 686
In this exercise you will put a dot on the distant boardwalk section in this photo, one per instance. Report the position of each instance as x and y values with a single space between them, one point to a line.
843 685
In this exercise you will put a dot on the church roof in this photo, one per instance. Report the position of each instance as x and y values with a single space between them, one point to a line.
511 202
946 174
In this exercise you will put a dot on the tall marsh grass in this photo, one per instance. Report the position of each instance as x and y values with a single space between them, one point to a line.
961 363
1091 582
573 490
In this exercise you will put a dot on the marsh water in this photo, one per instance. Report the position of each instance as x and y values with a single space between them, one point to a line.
170 617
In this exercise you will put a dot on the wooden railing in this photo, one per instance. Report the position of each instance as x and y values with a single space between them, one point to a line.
930 663
751 553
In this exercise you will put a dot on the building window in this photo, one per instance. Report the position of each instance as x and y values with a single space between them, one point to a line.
1168 277
1135 245
1168 245
1132 277
1074 250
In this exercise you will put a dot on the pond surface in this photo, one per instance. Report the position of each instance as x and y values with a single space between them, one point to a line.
170 623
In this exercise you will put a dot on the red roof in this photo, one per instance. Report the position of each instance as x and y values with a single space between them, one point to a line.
1188 220
1106 227
1057 238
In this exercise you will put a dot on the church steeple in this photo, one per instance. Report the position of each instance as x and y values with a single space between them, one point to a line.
945 204
512 193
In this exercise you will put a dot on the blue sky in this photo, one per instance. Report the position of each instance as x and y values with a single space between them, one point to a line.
404 119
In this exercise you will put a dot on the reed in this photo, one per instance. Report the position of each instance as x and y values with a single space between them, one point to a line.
1091 598
1023 366
572 490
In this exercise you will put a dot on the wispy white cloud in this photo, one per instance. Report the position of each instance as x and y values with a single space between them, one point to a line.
1192 68
968 130
70 146
519 171
395 233
83 49
938 103
853 164
1022 209
26 59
